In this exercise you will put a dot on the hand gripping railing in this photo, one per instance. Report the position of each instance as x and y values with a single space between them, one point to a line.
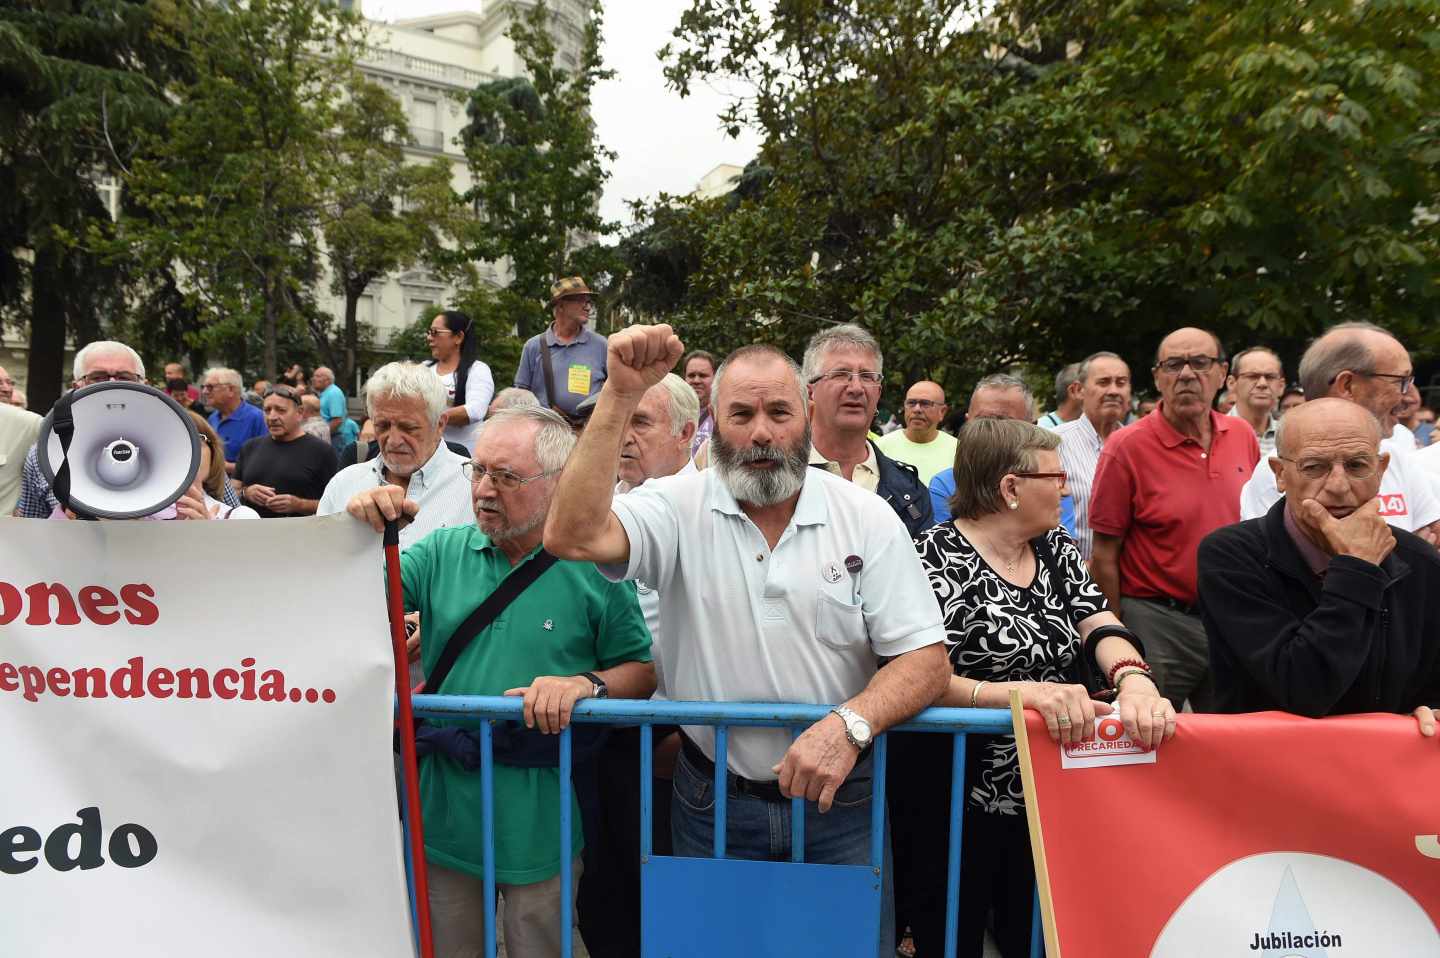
482 710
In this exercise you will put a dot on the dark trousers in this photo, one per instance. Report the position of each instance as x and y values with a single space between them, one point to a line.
608 901
997 875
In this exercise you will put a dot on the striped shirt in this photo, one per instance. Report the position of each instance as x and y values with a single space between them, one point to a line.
1080 447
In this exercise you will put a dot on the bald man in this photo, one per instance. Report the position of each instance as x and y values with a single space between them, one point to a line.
1320 607
921 443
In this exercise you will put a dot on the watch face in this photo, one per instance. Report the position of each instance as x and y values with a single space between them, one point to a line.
861 730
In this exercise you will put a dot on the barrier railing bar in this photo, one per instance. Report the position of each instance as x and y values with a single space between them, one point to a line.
567 920
722 741
647 786
487 817
797 817
1037 931
409 869
952 864
877 808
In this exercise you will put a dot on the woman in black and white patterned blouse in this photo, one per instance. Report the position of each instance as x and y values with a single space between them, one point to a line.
1021 613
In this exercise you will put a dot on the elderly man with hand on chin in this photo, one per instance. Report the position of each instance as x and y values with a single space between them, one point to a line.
777 583
1319 607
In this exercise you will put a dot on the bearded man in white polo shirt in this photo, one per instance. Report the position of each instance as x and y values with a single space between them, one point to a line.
777 583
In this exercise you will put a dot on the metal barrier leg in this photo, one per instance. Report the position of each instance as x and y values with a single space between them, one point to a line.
1037 931
487 815
647 786
952 866
797 817
567 919
722 762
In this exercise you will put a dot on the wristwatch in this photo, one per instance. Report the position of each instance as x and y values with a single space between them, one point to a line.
857 730
601 690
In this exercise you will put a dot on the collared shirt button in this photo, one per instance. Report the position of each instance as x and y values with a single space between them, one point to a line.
759 557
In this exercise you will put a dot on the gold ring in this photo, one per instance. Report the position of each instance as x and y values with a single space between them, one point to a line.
1063 720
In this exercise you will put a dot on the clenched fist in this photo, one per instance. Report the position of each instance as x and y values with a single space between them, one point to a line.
638 357
1362 534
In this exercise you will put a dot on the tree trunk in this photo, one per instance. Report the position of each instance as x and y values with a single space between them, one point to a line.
352 338
45 365
272 293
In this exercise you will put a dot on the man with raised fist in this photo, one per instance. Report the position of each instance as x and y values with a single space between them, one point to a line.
777 583
1319 607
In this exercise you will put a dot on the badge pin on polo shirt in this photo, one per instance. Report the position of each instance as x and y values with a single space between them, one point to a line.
831 572
549 625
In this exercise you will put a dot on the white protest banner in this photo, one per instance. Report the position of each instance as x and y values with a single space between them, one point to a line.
195 723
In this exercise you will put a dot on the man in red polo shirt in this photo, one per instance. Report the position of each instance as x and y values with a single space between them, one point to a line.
1162 485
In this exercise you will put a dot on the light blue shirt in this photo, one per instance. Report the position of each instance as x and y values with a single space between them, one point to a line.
942 487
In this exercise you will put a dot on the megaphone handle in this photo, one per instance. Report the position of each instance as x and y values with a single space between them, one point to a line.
395 599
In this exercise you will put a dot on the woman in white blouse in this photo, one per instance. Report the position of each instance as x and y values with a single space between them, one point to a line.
468 383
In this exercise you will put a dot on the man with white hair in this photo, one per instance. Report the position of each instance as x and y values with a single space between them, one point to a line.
567 636
777 582
18 429
406 403
236 420
343 430
101 361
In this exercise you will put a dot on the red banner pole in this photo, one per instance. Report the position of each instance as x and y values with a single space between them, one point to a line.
395 598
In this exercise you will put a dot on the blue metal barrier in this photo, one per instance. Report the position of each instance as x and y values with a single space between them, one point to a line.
482 710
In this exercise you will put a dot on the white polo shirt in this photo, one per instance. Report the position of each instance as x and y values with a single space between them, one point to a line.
805 623
1409 495
439 488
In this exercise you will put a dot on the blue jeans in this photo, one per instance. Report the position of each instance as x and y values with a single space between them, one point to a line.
758 830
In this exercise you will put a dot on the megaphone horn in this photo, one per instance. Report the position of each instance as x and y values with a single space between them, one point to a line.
118 450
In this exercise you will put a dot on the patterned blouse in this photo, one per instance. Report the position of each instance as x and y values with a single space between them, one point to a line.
1001 632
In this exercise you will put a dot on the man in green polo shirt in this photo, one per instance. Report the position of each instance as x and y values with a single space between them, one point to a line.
568 629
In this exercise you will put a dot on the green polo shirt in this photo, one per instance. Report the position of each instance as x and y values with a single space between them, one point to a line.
570 620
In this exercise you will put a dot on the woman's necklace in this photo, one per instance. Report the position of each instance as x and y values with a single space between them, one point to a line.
1009 564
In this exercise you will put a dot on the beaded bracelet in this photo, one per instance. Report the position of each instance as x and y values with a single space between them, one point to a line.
1132 663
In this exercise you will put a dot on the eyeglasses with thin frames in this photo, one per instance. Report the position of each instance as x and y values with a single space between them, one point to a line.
1057 476
1200 364
1275 379
1356 467
1402 380
503 478
104 376
847 376
922 404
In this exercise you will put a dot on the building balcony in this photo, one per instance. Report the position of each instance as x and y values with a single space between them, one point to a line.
404 63
427 139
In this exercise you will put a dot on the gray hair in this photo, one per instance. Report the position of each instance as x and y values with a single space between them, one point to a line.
1064 379
986 451
1235 360
684 404
554 439
89 351
514 397
1083 373
226 375
1330 355
1005 381
759 351
837 337
406 381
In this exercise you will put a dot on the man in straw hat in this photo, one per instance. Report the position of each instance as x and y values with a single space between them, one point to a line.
566 363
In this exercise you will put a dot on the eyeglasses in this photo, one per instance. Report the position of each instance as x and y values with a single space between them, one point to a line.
215 386
503 479
846 376
1273 378
1356 467
1403 381
284 392
102 376
1057 476
922 404
1200 364
433 331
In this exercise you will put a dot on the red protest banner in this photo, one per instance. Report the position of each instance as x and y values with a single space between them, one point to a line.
1254 835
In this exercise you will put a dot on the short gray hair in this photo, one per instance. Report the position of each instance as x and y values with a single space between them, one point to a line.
406 381
225 374
1063 379
99 347
987 450
759 351
1330 355
1005 381
1249 350
684 404
1083 373
847 334
514 397
554 439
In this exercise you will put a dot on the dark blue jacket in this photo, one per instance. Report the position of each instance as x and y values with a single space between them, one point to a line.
900 486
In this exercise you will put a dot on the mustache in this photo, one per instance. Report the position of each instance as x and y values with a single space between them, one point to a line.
747 454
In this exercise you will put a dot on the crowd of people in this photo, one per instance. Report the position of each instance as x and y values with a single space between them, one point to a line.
637 520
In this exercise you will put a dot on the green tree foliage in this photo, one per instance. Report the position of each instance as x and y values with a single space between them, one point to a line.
233 190
494 313
379 213
79 82
985 184
537 166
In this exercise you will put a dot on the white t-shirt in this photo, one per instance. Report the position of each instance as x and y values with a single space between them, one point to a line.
479 390
1409 495
804 623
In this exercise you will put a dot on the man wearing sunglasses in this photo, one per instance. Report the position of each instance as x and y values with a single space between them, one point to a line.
1364 364
284 473
1162 485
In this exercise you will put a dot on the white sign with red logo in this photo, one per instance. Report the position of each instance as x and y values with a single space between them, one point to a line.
1110 745
196 745
1392 504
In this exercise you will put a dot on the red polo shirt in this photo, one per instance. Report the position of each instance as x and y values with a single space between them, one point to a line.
1163 493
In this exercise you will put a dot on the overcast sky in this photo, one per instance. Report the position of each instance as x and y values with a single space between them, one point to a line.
665 144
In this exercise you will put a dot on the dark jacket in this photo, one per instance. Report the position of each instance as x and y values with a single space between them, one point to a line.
900 486
1363 638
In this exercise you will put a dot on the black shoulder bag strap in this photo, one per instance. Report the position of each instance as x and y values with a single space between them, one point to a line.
545 367
485 613
1086 670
